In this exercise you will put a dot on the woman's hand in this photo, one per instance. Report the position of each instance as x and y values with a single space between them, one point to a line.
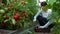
34 19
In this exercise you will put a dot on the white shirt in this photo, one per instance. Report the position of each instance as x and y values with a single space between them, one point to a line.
44 14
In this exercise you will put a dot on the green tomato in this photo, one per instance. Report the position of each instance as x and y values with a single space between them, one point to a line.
2 11
13 21
6 8
59 20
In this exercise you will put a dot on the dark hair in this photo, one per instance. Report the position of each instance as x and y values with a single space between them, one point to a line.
43 3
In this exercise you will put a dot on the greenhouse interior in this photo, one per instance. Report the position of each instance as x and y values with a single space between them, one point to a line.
29 16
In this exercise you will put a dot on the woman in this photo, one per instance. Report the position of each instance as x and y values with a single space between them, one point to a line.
43 17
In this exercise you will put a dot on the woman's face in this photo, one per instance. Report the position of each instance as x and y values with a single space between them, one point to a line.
42 7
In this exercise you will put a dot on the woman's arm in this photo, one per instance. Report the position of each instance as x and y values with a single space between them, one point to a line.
36 15
45 26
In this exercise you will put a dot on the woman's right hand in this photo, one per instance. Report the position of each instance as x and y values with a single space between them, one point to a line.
34 19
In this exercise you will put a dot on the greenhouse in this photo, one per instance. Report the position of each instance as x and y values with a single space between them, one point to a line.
29 16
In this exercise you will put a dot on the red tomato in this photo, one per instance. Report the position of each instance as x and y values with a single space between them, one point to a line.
20 18
7 17
18 14
25 15
16 17
15 0
4 22
8 8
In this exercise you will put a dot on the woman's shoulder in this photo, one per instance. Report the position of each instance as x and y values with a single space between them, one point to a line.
49 10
